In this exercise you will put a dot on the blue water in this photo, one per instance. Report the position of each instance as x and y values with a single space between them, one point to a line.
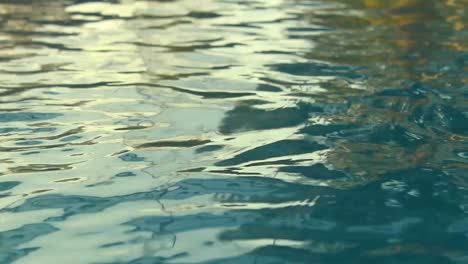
216 131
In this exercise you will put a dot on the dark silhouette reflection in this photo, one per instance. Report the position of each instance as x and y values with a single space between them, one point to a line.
411 104
277 149
399 139
246 117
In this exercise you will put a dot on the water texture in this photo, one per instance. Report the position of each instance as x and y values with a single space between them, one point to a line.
219 131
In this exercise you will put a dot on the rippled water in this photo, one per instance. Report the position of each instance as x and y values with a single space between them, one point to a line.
215 131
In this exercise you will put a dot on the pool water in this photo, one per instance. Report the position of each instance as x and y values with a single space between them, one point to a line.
216 131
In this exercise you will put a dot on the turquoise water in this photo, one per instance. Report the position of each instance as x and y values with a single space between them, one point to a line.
216 131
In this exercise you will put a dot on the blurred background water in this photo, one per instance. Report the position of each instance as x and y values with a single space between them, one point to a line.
218 131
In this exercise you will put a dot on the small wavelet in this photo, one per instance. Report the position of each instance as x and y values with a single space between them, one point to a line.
212 131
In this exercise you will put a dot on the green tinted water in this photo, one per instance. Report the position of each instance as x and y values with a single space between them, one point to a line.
216 131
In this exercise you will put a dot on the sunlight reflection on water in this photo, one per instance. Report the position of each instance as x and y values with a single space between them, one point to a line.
217 131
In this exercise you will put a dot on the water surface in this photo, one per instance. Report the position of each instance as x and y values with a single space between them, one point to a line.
216 131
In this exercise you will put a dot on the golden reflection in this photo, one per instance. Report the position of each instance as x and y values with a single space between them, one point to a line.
27 16
415 249
412 35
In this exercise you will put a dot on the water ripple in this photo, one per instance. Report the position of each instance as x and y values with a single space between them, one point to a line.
219 131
